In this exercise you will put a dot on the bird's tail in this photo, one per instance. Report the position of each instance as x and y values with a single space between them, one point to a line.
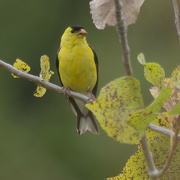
85 118
85 123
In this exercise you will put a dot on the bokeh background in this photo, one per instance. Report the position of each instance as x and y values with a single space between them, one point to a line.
38 138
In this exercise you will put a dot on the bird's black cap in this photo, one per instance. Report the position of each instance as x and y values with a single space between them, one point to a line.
76 28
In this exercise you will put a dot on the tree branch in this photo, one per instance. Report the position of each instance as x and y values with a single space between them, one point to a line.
176 5
39 81
149 159
122 33
161 130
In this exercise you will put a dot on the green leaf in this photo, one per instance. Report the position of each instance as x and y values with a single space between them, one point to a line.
154 73
175 77
140 119
141 59
116 101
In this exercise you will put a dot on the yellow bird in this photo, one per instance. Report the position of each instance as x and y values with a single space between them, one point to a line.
77 66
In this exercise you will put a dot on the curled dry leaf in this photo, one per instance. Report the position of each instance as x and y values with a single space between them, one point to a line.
103 12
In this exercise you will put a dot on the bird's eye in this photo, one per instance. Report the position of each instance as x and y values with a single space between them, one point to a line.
72 31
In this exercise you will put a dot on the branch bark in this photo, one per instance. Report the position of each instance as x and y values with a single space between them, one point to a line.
149 159
161 130
176 5
122 33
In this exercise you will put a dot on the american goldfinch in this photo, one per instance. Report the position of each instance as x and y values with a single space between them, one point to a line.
77 66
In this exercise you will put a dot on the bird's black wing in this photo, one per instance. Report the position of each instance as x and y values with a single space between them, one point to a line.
57 66
94 91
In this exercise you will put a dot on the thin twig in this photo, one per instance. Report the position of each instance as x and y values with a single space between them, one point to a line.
122 33
161 130
172 150
149 159
39 81
176 5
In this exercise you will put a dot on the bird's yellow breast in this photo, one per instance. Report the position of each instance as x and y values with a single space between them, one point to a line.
77 68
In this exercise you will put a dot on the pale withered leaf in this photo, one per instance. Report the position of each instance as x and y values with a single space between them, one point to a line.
103 12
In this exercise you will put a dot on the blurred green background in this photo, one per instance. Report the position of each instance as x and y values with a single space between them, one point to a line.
38 138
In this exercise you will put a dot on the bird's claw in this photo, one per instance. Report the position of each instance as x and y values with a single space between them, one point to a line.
66 91
91 98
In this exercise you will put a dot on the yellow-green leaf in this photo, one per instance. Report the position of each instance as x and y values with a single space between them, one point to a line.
22 66
116 101
45 74
159 146
40 91
175 77
154 73
135 168
140 119
141 58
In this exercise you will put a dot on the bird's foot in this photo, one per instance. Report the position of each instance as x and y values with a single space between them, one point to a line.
91 98
66 91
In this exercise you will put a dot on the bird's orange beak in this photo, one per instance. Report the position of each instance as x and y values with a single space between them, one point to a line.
82 33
